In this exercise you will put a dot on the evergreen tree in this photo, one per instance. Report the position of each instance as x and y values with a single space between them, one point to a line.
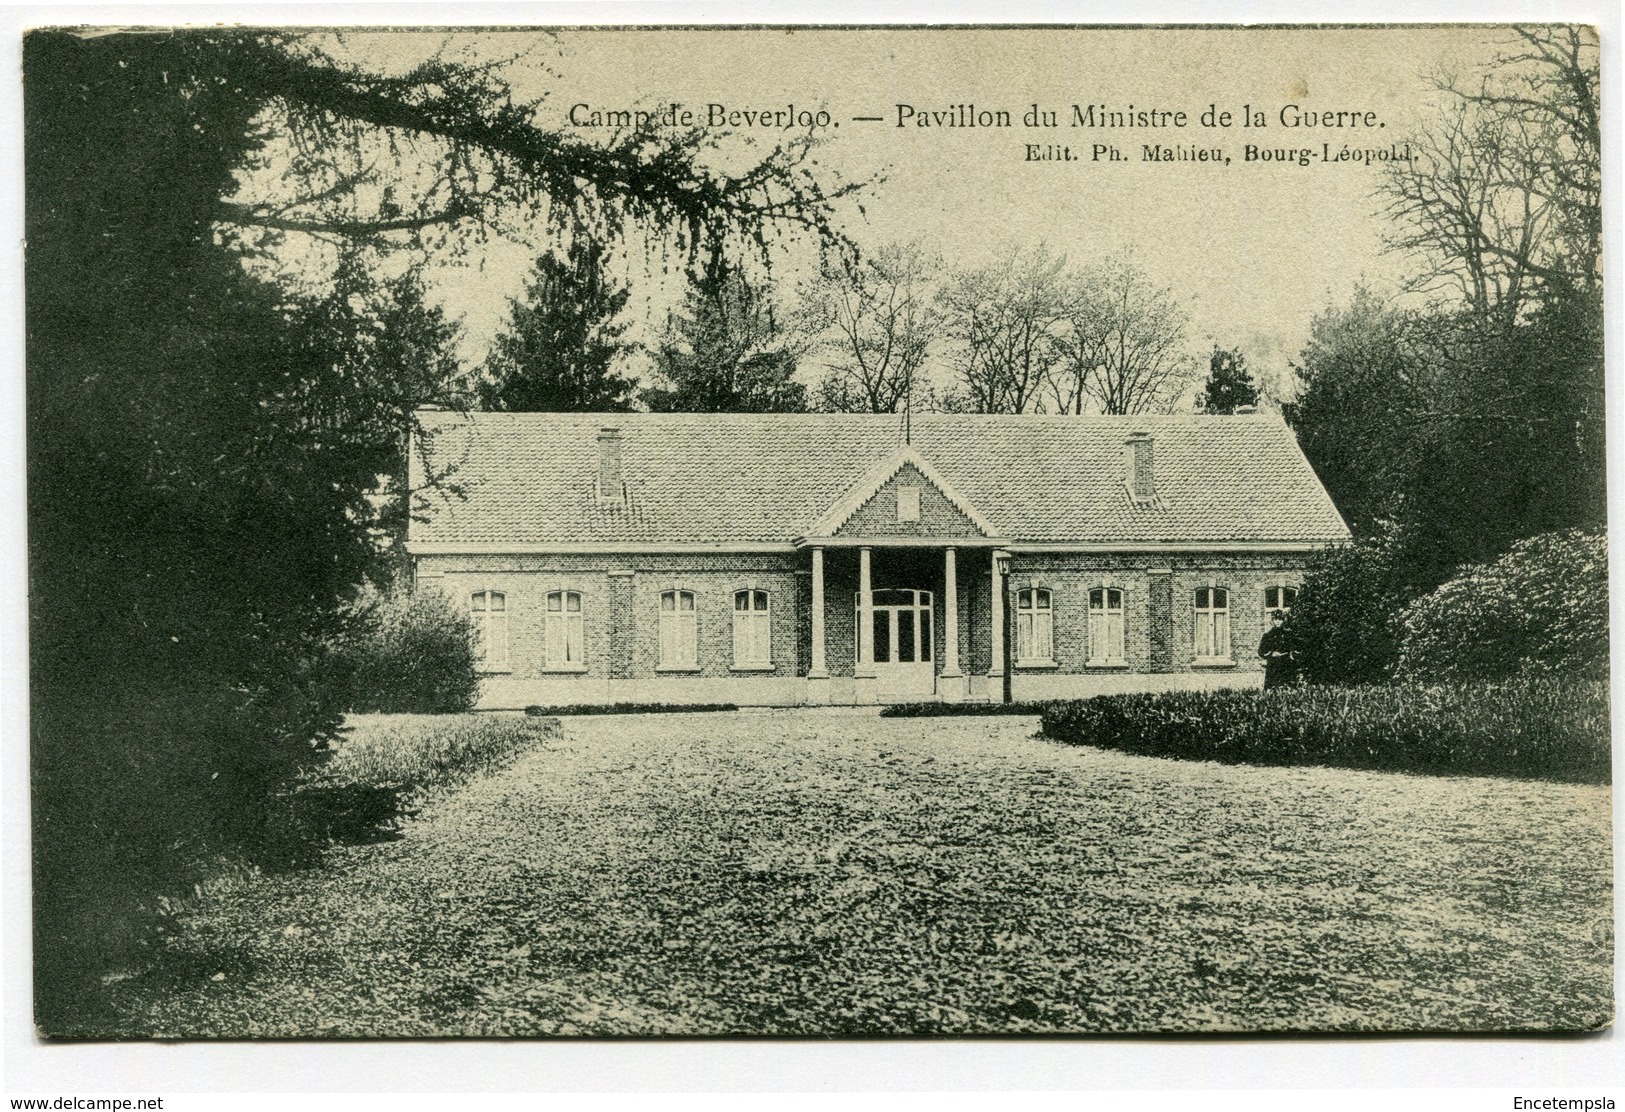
1229 385
727 352
201 446
205 446
557 352
1363 382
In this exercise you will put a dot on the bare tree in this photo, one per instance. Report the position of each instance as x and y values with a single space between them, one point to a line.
881 319
1502 200
1004 322
1123 347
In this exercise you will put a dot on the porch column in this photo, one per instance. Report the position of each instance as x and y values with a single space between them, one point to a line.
996 667
950 615
820 667
866 619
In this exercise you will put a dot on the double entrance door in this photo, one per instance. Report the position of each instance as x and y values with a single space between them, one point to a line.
904 667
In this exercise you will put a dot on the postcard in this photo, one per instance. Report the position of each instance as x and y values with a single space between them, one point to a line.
817 531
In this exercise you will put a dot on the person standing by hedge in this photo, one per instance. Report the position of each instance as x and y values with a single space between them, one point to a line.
1275 647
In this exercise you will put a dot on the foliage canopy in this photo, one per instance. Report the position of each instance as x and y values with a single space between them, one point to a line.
205 447
1448 434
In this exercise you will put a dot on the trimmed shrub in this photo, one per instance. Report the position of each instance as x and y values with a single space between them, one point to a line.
1533 728
411 652
959 710
632 708
1541 608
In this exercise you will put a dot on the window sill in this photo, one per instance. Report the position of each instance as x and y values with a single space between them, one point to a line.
676 669
564 670
1213 662
1036 664
1107 665
752 667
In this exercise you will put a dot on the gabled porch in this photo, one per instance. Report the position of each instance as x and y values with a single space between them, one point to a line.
890 611
906 623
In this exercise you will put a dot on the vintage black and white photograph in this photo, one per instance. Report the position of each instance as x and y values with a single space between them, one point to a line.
817 531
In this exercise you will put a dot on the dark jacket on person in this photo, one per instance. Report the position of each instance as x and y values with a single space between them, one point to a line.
1280 661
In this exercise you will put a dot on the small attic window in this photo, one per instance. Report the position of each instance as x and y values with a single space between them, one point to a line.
908 503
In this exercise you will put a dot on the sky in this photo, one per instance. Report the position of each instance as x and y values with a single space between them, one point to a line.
1252 249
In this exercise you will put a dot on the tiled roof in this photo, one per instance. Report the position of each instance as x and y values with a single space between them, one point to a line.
531 478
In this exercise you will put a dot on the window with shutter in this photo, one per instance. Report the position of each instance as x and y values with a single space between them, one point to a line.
679 632
753 630
1212 624
1106 626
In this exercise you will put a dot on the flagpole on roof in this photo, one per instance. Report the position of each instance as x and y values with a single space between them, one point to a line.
908 407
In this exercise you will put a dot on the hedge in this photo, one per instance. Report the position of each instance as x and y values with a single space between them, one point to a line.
384 764
1532 728
630 708
959 710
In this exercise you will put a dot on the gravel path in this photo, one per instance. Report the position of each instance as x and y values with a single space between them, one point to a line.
802 873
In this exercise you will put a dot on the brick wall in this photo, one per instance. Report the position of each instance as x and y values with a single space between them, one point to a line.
714 584
1160 620
526 582
620 615
621 623
622 626
938 517
1159 603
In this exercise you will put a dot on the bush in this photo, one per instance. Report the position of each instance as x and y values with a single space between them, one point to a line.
411 652
1541 608
142 793
1342 625
959 710
1534 728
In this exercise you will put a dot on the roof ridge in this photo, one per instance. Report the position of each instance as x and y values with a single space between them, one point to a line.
868 418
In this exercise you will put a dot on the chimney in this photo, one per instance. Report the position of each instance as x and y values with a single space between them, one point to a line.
611 486
1246 410
1139 458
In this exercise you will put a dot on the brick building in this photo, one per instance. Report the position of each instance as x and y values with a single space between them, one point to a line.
789 559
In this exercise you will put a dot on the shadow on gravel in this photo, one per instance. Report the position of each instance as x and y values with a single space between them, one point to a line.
328 814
